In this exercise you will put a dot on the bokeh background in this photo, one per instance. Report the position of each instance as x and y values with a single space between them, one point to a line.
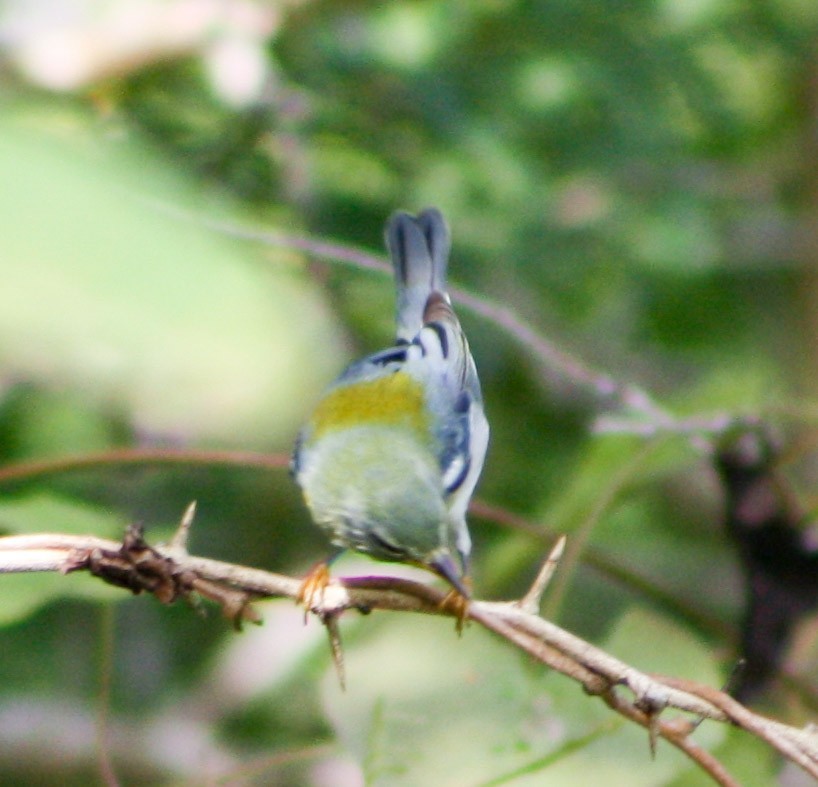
635 180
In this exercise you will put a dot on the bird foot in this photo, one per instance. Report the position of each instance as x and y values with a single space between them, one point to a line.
456 604
311 592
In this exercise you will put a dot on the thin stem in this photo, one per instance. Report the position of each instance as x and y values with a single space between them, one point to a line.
106 668
33 470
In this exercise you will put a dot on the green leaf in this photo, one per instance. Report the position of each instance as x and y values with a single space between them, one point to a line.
653 643
424 707
111 289
46 512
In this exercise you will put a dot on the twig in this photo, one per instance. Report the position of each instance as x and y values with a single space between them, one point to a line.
172 575
676 734
800 746
29 471
642 413
604 565
106 658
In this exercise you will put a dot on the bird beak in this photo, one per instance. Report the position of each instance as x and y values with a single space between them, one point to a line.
444 565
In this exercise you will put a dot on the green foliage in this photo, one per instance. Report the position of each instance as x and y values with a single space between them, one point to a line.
139 307
468 712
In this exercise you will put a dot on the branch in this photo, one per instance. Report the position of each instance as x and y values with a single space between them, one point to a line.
640 412
170 574
27 471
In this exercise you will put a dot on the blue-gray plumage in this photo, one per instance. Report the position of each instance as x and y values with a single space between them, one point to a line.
392 452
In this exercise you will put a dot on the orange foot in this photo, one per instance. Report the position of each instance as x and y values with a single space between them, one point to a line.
313 586
458 604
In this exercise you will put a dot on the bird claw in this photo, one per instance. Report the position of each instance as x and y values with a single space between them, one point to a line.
455 603
311 592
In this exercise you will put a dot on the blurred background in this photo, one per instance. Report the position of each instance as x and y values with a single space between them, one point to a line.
637 181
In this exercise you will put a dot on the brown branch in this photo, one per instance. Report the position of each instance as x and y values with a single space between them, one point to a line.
642 413
170 573
25 472
35 469
800 746
676 734
604 565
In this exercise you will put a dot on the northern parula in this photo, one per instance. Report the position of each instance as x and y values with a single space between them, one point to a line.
390 456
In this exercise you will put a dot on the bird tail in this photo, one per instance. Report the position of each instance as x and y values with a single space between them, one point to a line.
419 247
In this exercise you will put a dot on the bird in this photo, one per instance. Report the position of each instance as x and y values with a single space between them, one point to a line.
390 455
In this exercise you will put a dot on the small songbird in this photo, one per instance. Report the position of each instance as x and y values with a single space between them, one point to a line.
390 456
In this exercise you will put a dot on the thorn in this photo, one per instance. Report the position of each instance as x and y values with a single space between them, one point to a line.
180 537
335 647
653 732
239 611
652 706
730 685
236 604
530 602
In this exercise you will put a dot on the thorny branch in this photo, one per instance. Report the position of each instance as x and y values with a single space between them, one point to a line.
170 573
